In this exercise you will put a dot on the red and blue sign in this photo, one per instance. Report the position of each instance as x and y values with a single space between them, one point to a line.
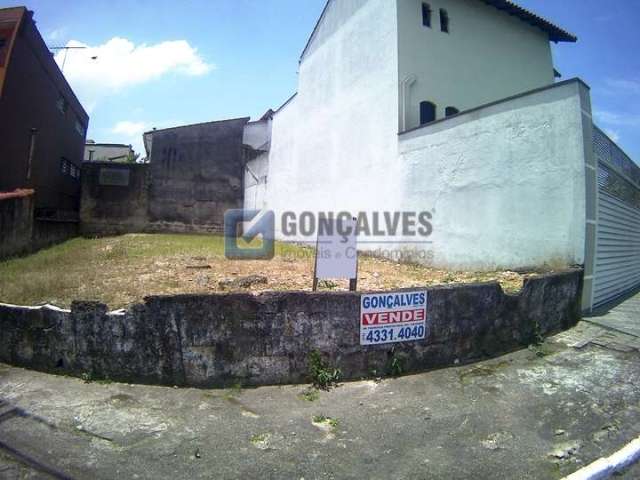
393 317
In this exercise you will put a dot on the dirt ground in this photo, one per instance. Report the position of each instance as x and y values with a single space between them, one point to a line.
123 270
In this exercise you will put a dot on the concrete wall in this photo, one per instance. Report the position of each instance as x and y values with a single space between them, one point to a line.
335 142
114 204
506 182
487 55
47 232
218 340
16 222
196 174
22 233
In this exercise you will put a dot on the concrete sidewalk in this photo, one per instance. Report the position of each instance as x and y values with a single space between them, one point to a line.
534 414
622 315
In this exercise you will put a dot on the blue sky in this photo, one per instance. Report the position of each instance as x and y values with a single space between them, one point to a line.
164 63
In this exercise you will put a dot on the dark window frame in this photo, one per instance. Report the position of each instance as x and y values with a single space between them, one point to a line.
449 111
62 104
426 15
444 21
80 128
428 112
64 166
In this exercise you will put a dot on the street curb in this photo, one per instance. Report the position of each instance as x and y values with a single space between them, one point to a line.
605 467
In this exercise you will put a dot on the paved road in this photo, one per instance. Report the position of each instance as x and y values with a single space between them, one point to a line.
534 414
623 315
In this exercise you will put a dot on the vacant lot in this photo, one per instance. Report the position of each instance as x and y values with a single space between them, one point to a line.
123 270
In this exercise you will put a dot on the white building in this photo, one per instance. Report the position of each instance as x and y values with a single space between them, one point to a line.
107 152
510 178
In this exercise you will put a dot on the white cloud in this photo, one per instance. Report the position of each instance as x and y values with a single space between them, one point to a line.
129 129
97 71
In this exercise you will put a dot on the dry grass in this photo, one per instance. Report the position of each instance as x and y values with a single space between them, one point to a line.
123 270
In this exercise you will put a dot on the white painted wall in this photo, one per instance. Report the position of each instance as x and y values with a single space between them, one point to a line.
488 55
334 145
507 182
257 134
255 182
336 14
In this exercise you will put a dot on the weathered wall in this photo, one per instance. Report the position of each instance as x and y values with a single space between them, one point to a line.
21 232
114 204
16 222
487 55
196 174
47 232
213 340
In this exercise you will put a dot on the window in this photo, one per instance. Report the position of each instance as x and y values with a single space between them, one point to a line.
6 33
444 20
450 111
62 104
69 169
80 128
427 112
426 15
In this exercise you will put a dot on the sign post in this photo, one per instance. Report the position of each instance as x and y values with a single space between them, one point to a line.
337 253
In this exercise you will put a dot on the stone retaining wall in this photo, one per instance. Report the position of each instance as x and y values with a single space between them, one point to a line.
221 339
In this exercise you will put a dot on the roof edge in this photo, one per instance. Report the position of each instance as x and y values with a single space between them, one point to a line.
246 120
576 80
313 32
556 34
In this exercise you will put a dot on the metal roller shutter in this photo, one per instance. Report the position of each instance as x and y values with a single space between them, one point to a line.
617 262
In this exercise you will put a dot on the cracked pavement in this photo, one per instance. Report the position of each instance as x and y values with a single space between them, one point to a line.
537 413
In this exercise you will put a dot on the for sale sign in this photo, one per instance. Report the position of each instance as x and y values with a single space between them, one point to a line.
393 317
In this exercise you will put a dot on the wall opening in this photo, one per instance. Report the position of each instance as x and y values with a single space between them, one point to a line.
450 111
426 15
444 21
427 112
